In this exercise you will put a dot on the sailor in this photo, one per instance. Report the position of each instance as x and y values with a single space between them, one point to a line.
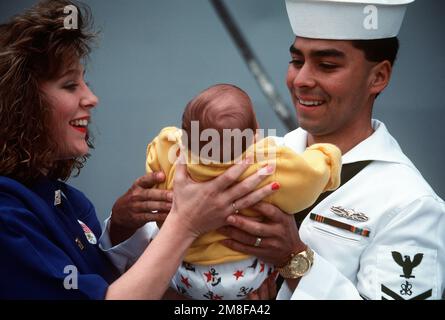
381 235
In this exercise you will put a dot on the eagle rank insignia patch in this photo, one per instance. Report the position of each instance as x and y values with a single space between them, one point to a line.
406 273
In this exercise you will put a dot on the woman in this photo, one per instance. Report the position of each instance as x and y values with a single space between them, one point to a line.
48 229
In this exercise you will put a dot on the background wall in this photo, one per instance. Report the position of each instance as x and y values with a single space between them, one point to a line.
155 55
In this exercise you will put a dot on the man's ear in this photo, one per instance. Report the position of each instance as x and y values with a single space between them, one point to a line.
380 76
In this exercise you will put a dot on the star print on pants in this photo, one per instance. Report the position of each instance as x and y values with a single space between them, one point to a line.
209 276
238 274
185 281
262 266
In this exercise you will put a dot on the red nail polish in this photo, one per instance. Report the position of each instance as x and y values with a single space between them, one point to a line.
276 186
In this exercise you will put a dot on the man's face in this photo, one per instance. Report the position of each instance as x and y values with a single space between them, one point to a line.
329 84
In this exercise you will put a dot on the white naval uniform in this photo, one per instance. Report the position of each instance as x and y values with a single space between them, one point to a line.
405 217
406 223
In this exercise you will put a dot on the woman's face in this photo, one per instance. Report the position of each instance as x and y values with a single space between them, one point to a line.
71 102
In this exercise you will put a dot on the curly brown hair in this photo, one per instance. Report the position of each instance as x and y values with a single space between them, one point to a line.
35 46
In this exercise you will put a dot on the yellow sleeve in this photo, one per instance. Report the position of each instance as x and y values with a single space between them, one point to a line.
304 177
162 153
332 160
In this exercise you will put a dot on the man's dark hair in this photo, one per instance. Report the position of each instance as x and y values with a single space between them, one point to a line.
379 50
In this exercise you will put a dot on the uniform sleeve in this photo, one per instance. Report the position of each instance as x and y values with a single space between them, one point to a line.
33 267
323 282
304 177
406 258
404 261
126 253
161 155
162 152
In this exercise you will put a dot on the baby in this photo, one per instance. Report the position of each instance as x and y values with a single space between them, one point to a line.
225 114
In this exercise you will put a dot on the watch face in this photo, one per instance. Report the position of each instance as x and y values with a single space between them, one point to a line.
300 265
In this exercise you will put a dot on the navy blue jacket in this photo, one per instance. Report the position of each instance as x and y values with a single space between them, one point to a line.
44 250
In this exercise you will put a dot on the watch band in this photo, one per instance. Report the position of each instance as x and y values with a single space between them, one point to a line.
299 265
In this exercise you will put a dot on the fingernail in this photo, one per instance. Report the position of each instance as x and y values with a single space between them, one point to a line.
275 186
170 196
266 170
231 219
160 176
249 159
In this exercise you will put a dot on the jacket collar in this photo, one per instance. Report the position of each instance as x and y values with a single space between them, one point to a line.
380 146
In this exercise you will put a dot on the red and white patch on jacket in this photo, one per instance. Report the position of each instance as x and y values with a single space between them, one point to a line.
88 233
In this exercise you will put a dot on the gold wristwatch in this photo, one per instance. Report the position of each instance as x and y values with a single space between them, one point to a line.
299 264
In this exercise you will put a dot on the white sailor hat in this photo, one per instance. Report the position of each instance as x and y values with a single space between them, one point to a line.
346 19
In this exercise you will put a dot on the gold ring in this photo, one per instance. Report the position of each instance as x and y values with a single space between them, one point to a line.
235 209
257 242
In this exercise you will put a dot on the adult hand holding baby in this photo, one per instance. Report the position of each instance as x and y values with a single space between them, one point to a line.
139 205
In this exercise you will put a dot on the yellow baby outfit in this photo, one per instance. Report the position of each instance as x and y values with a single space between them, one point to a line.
302 178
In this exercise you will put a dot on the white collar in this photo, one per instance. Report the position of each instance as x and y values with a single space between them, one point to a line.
380 146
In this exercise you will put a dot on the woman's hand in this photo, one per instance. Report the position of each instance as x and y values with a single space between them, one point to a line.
197 208
139 205
205 206
273 240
